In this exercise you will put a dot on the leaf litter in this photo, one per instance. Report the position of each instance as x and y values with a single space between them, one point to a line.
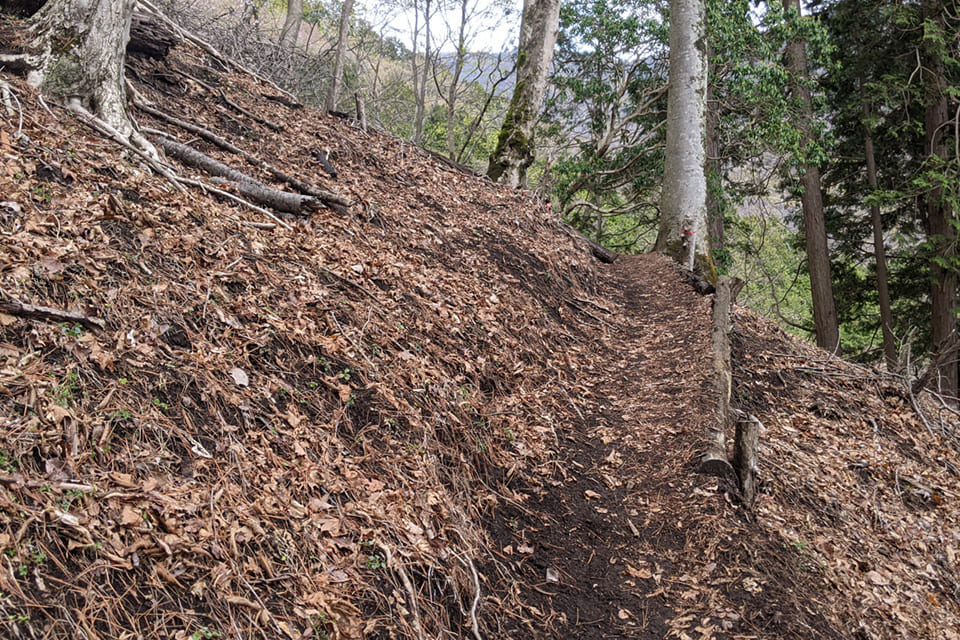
435 415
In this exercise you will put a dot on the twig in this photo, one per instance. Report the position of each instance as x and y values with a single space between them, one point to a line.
7 94
272 125
474 626
34 484
411 593
351 340
349 282
15 307
237 199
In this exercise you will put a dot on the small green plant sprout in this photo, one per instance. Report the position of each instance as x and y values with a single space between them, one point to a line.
121 414
320 626
42 192
204 633
344 375
64 393
376 561
157 402
8 462
70 497
73 330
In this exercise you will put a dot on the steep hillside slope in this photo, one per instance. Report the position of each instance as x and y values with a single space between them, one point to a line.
429 413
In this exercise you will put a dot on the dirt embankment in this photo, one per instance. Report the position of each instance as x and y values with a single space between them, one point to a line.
432 413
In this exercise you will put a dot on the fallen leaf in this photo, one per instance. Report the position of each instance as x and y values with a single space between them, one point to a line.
129 517
240 376
877 579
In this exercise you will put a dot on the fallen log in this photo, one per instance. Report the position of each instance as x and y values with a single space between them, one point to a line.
253 189
714 460
150 37
600 252
284 201
332 200
745 457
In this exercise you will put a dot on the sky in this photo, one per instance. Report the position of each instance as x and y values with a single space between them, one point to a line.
493 25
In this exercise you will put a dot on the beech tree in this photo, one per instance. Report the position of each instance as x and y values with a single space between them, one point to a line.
538 35
683 204
79 51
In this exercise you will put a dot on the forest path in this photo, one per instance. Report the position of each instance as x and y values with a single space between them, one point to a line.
603 521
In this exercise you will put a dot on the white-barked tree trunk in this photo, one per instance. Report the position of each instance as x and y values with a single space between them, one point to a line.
683 203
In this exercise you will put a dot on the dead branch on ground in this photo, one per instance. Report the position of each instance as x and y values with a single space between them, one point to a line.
260 193
330 199
15 307
211 51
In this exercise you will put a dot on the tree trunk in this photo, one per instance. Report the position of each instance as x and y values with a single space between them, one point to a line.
538 35
455 81
291 25
941 231
714 460
713 172
82 48
343 31
814 227
683 201
420 73
879 252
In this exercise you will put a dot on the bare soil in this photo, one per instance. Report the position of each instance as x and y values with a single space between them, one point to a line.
432 415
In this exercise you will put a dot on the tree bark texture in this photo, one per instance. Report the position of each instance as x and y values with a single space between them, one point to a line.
745 460
245 185
333 97
879 252
515 147
713 173
941 231
291 25
814 228
82 47
714 460
683 202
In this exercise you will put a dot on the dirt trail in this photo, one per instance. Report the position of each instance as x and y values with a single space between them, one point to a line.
601 522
